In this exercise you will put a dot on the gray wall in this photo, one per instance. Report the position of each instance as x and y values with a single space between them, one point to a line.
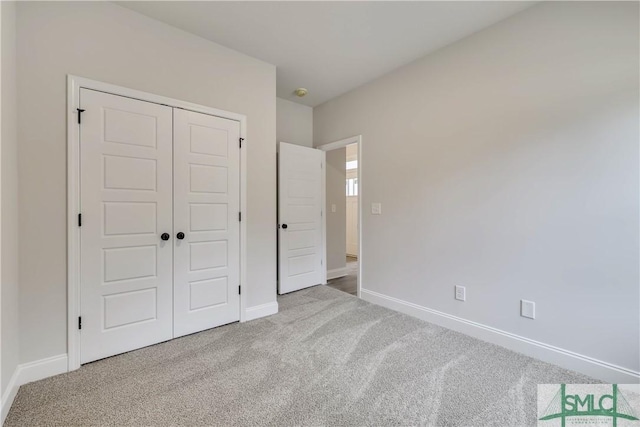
336 221
9 229
508 162
294 123
103 41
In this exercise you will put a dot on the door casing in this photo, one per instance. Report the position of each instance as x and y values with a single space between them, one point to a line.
357 139
74 84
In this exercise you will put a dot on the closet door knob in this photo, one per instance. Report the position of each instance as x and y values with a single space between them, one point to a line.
165 236
285 226
180 235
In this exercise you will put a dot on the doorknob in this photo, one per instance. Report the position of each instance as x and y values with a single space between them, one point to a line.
180 235
165 236
285 226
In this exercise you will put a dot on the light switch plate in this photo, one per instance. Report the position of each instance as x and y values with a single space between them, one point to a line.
528 309
333 207
376 208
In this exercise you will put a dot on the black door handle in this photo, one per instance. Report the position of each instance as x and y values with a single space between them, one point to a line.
165 236
180 235
285 226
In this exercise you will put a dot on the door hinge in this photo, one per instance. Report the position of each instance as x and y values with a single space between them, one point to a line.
80 322
239 216
241 139
79 220
239 290
80 111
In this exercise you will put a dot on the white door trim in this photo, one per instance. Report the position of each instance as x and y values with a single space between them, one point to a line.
357 139
74 84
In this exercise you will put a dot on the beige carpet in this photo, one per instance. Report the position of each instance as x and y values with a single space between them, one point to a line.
327 358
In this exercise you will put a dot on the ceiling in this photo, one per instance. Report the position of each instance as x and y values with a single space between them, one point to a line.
330 47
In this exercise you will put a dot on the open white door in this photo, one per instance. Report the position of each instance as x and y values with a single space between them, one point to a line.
301 172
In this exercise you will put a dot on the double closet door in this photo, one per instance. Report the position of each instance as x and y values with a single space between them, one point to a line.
160 234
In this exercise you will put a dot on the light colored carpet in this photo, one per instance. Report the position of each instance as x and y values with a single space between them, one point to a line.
327 358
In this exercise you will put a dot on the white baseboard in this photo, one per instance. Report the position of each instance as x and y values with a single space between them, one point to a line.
567 359
29 372
262 310
8 396
43 368
337 272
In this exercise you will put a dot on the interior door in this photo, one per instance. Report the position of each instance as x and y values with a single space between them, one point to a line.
126 204
206 221
300 180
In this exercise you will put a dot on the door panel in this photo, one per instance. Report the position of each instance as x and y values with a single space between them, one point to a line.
126 203
206 207
300 216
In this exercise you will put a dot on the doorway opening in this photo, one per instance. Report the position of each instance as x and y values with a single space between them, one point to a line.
343 219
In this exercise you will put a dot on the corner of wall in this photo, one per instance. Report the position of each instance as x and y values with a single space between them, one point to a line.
30 372
262 310
9 356
294 123
7 398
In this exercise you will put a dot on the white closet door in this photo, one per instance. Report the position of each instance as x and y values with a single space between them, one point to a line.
300 177
126 269
206 208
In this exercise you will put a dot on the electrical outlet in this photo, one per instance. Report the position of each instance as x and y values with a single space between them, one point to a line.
461 293
528 309
376 208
